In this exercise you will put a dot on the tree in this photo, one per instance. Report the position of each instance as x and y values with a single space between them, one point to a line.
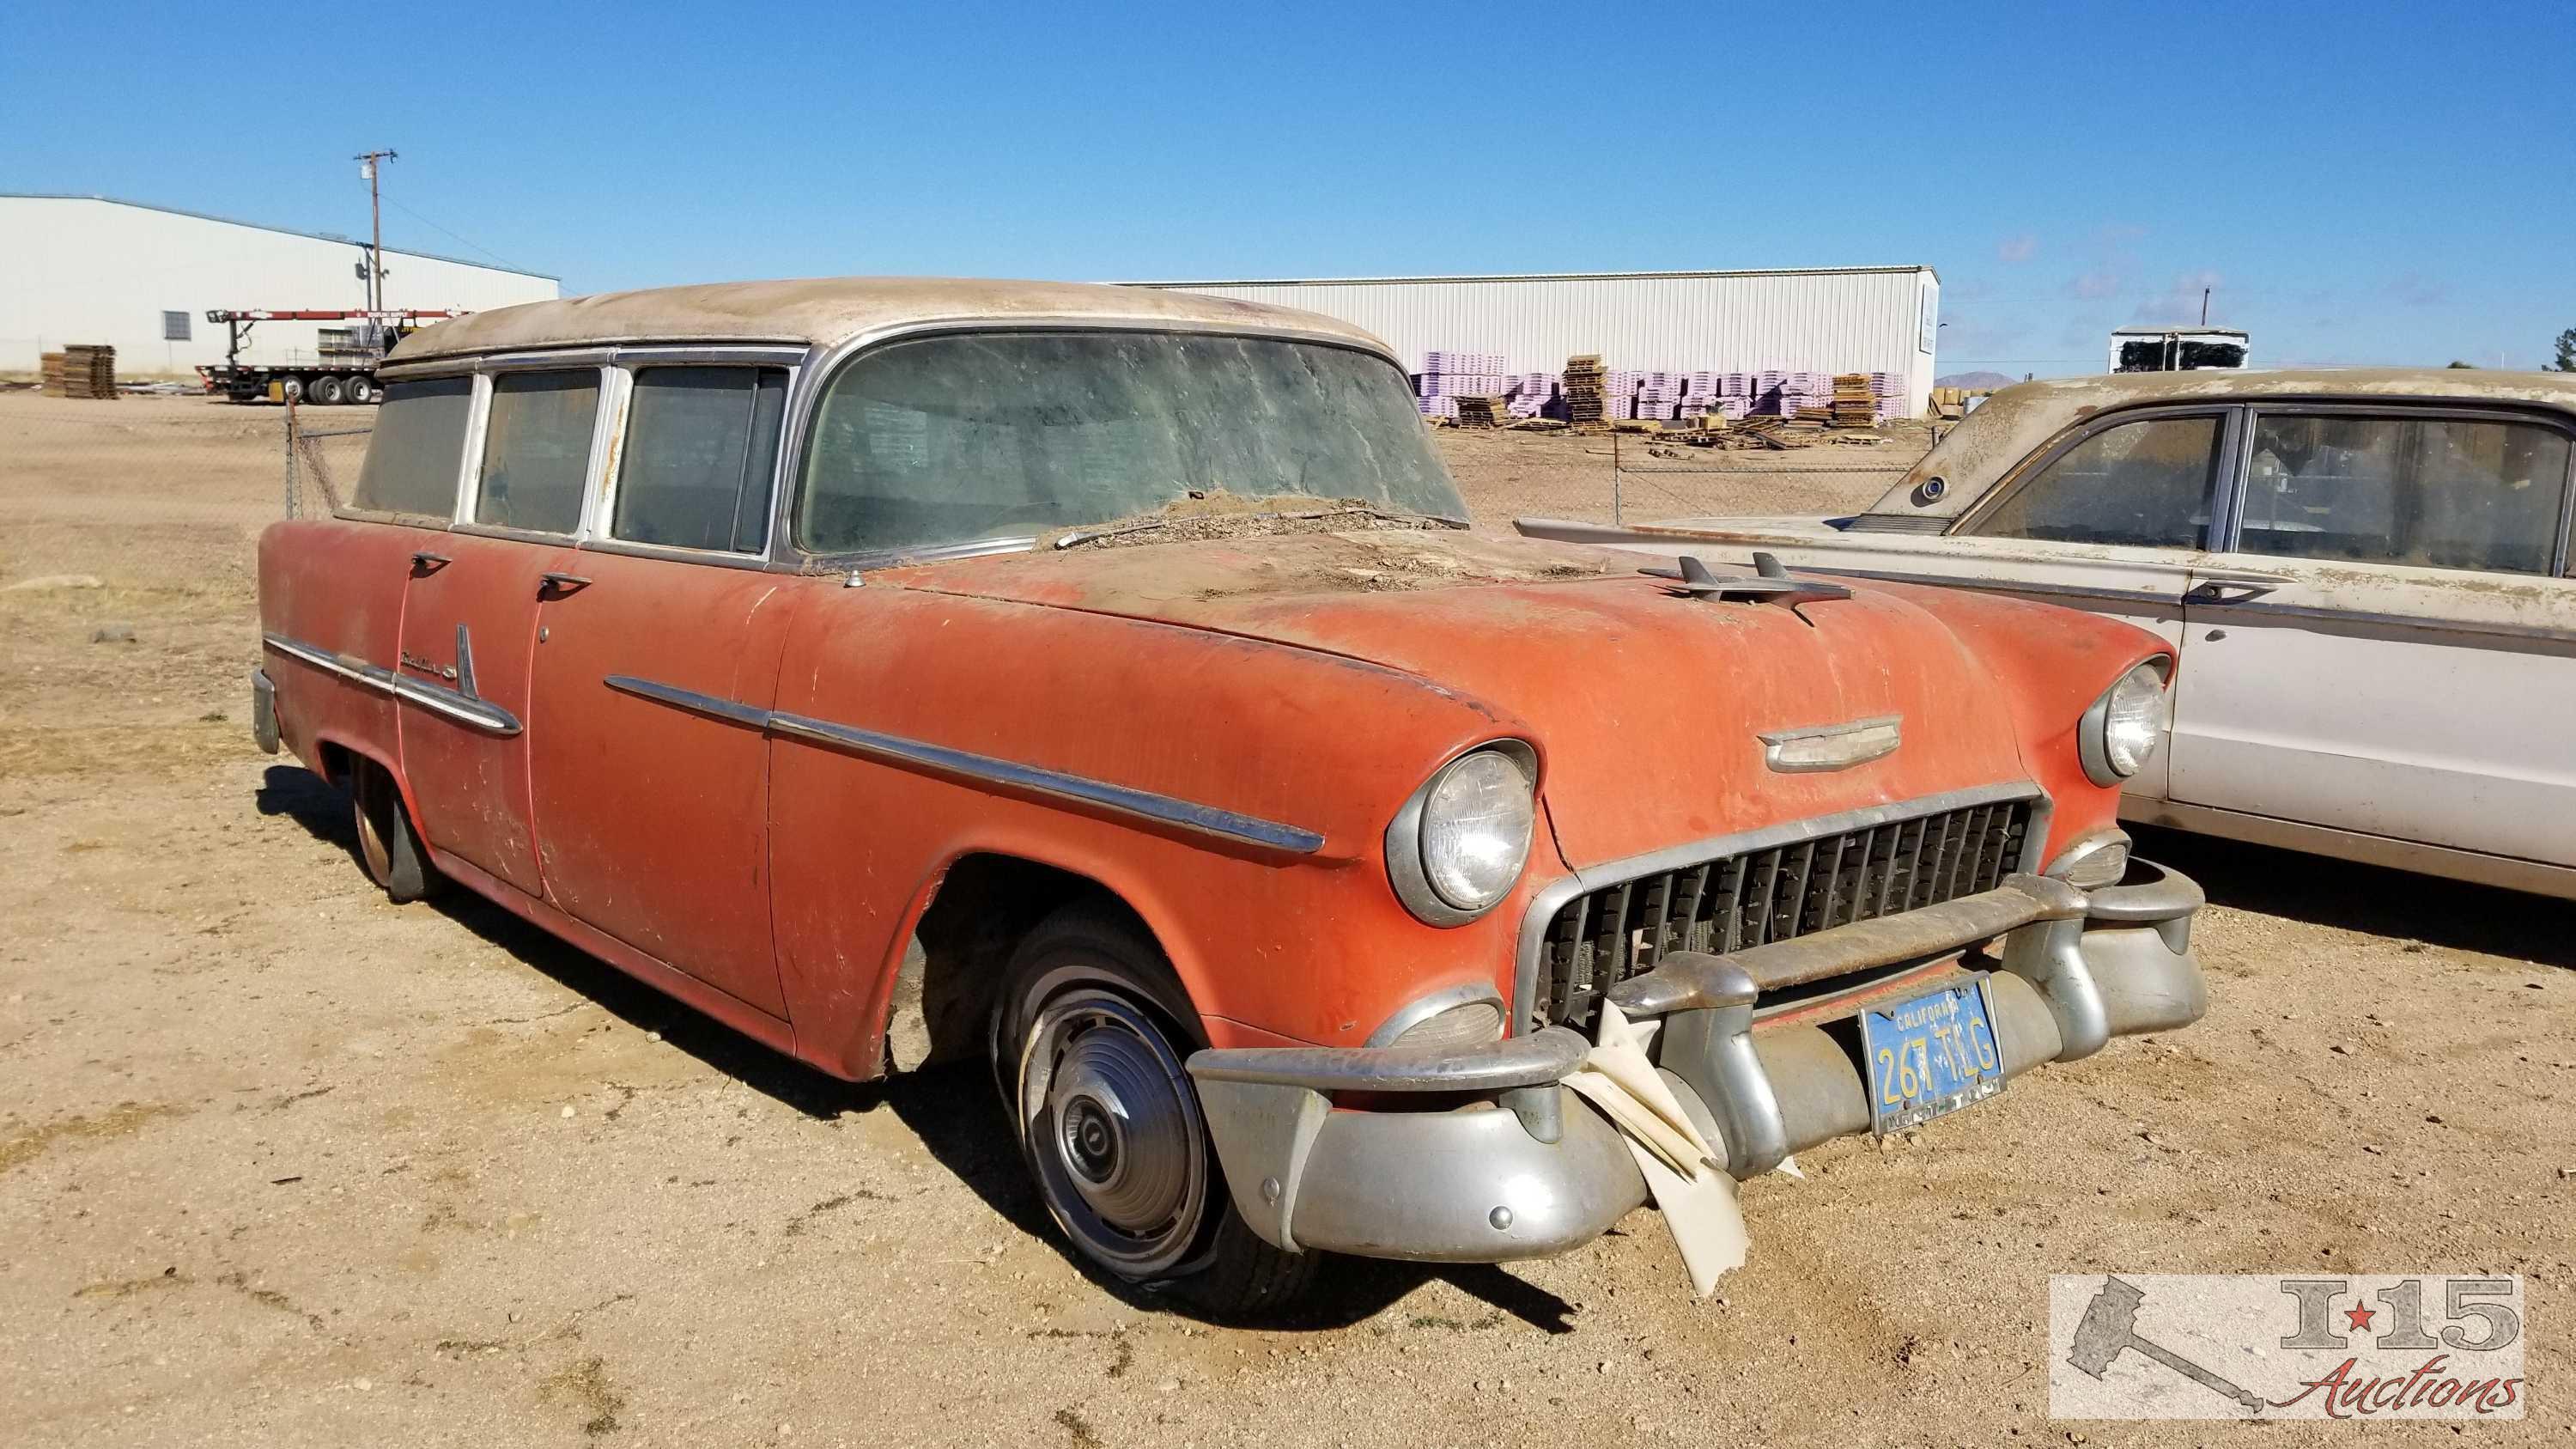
2566 353
2471 366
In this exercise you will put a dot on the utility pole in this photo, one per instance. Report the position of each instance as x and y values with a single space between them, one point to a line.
2204 300
376 212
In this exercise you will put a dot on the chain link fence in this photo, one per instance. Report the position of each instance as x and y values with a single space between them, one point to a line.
169 492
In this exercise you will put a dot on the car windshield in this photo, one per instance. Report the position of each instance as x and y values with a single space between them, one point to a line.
974 435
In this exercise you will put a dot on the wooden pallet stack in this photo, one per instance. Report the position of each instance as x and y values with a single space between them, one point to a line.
1585 389
80 371
1854 405
1483 412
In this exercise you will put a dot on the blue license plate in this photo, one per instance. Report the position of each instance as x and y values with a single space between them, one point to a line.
1930 1055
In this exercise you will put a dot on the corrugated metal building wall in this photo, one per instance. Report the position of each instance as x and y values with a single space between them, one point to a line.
1835 319
91 269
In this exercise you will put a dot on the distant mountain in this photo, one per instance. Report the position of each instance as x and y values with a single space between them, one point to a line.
1975 380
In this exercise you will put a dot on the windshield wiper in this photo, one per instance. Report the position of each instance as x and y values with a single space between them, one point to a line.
1417 520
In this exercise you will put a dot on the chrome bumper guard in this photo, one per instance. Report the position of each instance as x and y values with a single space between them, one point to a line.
1523 1172
263 711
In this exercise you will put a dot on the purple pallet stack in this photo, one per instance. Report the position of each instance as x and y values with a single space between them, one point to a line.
1886 393
1448 376
1531 393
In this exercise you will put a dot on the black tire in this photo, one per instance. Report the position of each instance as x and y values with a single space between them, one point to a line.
388 846
358 389
1088 1041
325 390
291 389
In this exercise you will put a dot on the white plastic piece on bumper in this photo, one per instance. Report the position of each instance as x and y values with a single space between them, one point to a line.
1685 1173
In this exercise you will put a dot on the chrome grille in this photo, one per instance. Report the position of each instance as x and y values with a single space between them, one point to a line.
1603 937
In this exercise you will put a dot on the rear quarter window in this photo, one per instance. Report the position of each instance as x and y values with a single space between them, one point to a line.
418 449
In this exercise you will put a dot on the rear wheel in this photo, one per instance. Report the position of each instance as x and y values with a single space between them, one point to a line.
388 846
1089 1044
358 389
325 390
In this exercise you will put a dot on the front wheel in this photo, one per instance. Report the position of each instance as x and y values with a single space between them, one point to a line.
1088 1044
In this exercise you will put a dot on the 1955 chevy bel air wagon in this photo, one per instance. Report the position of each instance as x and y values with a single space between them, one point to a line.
1106 681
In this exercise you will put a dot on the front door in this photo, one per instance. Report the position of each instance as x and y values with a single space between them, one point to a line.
2387 648
654 674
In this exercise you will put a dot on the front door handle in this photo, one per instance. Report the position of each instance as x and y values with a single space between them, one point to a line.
424 562
2235 587
552 585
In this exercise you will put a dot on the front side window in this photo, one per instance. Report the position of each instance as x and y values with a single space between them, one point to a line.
536 450
2143 484
2458 493
417 449
965 436
701 444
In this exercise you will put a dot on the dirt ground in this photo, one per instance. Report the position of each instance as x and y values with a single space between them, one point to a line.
281 1163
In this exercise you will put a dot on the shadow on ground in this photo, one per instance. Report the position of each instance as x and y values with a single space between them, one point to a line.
2370 899
954 1110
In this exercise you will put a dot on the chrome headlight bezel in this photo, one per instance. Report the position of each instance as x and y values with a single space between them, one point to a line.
1406 868
2093 732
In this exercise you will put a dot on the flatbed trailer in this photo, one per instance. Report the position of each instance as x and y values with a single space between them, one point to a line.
343 369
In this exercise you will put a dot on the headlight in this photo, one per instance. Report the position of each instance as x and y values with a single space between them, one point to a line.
1457 846
2120 732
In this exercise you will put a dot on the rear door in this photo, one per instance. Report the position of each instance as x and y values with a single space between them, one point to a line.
654 662
2390 645
471 616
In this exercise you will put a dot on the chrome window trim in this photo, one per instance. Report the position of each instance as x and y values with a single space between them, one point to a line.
597 348
604 538
926 758
470 498
473 400
1551 898
2040 459
825 366
466 709
2257 409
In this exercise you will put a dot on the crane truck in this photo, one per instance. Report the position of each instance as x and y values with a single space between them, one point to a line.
343 369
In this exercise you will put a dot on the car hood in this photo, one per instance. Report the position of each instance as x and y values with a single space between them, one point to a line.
1646 705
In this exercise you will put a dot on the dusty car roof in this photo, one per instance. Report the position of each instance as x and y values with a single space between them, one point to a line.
827 310
2007 426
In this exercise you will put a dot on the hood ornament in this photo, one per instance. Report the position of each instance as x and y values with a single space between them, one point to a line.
1831 747
1769 584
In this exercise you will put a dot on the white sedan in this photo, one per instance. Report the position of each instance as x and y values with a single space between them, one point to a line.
2366 573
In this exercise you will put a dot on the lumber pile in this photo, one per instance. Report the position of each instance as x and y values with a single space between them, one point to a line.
1853 405
80 371
1484 412
1585 386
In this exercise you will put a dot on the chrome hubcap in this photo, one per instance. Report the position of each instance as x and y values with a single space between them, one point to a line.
1115 1130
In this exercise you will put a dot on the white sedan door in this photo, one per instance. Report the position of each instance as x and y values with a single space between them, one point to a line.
2388 648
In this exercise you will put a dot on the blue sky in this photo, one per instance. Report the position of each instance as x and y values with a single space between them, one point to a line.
2357 182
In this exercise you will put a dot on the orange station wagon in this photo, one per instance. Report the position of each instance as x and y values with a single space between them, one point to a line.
1106 682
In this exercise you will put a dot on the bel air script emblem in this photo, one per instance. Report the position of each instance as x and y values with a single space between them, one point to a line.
1831 747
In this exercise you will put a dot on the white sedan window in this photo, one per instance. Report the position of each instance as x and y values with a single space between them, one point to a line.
2144 484
2459 493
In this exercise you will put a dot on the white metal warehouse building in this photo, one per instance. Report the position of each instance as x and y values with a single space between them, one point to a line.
1827 319
88 269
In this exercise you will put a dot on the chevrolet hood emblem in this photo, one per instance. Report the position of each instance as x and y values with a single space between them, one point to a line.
1831 747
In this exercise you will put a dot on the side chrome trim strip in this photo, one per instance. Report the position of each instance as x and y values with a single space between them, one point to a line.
481 714
1551 898
1009 775
690 700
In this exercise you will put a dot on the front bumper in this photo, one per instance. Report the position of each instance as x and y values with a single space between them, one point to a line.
1521 1170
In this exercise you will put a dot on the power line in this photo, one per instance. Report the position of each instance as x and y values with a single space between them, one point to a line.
451 236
